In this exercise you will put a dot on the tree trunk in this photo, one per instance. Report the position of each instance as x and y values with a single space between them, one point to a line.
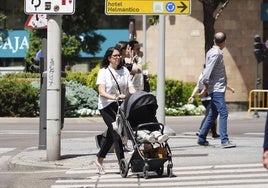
209 20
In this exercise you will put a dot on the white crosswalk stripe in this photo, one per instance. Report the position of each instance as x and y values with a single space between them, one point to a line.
5 150
4 158
211 176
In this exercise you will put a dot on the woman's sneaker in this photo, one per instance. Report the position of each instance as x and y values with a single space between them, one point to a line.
100 167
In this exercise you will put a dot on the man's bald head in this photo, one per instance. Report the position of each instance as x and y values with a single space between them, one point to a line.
219 37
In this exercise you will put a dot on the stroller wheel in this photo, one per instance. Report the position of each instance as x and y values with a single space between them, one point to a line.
169 170
123 168
160 171
146 172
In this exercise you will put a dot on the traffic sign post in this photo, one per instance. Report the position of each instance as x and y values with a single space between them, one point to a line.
137 7
54 10
49 7
54 87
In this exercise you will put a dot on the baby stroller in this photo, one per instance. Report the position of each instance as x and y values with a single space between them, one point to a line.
138 111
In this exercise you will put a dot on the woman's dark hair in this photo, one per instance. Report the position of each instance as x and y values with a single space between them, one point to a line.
105 62
132 43
121 45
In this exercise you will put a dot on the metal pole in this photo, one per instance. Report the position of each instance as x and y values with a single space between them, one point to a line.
43 97
132 29
256 114
144 38
54 87
160 91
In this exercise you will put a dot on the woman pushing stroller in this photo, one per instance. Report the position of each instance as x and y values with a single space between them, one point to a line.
113 83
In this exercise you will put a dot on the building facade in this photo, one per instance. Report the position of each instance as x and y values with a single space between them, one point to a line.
185 46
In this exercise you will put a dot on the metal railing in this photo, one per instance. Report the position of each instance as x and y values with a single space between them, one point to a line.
257 100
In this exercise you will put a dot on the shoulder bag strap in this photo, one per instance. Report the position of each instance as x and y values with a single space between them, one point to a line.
115 81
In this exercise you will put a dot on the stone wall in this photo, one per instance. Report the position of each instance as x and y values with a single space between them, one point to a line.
184 45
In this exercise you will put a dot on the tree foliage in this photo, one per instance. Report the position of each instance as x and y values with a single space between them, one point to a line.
83 23
17 98
209 8
78 33
2 17
34 46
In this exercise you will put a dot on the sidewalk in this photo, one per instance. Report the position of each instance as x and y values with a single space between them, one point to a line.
81 152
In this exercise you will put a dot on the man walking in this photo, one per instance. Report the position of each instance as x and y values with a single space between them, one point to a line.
214 80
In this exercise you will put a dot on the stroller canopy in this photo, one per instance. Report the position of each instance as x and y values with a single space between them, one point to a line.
140 107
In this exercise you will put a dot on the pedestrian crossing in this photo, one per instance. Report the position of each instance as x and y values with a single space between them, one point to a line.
211 176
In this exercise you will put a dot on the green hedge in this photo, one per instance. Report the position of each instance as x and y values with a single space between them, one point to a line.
176 92
80 100
18 98
81 95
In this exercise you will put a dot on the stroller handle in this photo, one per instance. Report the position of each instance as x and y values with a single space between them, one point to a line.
119 101
150 123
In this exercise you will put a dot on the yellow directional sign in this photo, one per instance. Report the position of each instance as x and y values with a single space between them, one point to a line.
132 7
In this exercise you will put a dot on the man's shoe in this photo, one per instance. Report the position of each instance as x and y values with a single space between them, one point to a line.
228 145
205 143
215 136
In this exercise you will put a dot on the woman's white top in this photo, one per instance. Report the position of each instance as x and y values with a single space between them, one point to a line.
105 77
136 72
200 87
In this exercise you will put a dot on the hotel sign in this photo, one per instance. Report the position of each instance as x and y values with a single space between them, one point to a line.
142 7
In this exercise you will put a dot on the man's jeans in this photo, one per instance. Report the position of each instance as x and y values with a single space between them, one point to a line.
218 106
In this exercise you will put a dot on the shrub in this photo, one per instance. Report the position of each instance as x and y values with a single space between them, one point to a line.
22 75
17 98
80 100
79 77
187 109
173 92
81 94
187 89
152 82
92 77
176 92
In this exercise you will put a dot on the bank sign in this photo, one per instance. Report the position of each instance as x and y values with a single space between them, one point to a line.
14 43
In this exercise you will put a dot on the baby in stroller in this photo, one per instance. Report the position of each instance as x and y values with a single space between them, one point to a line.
151 133
152 136
140 125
